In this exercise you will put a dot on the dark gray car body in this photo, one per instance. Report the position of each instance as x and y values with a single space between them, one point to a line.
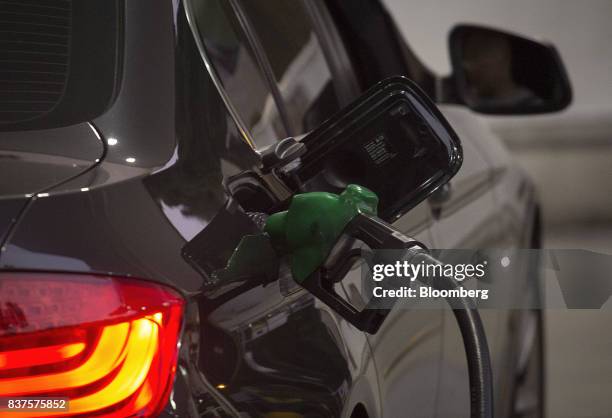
71 202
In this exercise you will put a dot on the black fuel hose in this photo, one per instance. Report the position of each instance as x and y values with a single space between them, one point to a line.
474 342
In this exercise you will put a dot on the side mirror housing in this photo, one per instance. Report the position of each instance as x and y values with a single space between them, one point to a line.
392 140
496 72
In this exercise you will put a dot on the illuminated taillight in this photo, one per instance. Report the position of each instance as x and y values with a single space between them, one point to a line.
107 344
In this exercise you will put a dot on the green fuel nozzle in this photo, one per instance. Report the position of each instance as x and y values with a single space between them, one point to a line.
311 229
314 222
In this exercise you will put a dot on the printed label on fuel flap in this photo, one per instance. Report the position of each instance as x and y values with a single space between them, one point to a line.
379 150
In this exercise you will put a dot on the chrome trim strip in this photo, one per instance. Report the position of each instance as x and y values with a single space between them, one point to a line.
264 64
244 132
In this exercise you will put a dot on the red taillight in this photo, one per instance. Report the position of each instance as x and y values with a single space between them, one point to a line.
107 344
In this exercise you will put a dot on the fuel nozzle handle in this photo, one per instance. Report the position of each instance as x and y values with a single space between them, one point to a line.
377 235
313 234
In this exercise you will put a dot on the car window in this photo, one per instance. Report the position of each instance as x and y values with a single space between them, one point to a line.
287 36
236 66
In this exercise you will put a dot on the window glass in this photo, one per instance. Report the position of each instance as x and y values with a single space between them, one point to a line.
236 66
287 36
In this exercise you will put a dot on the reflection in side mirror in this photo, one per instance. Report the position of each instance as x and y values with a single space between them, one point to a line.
499 73
392 140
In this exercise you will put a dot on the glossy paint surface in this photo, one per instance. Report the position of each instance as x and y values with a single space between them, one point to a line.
168 146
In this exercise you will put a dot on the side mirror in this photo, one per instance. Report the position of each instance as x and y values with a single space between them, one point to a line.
496 72
392 140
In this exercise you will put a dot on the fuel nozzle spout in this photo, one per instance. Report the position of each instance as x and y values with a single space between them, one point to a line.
313 232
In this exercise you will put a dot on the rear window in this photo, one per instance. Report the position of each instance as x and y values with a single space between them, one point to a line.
59 61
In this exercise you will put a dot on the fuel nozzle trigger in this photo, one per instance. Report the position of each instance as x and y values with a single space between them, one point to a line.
316 234
377 235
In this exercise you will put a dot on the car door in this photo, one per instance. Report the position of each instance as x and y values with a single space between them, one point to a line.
467 217
514 215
